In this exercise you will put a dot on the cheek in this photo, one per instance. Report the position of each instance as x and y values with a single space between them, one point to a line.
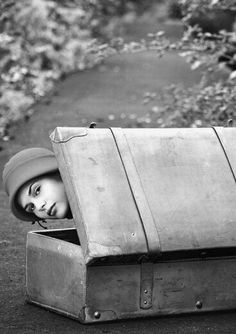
62 210
62 194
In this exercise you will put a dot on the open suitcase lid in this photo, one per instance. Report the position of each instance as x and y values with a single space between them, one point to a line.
138 192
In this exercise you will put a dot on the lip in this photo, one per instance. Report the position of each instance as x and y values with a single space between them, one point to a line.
51 210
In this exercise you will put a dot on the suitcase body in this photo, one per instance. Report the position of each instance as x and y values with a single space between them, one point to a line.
155 225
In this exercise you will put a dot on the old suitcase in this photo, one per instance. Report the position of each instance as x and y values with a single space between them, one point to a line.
155 217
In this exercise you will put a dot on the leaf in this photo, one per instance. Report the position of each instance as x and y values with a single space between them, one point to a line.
232 75
185 53
155 109
196 64
160 33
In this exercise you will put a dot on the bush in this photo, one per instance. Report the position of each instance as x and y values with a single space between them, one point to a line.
212 101
40 41
174 10
43 40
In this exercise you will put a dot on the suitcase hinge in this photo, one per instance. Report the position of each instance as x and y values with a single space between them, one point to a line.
146 285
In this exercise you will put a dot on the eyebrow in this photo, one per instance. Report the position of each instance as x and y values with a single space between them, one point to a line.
30 189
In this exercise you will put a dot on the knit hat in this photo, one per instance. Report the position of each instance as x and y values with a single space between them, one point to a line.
22 167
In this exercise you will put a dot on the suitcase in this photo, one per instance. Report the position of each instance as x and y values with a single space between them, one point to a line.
155 225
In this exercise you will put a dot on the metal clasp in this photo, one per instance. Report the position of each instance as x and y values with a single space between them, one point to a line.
146 285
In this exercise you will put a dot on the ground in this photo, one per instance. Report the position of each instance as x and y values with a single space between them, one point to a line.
114 88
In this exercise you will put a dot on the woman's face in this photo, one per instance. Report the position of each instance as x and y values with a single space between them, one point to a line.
45 197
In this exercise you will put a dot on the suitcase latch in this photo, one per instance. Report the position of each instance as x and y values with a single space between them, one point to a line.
146 285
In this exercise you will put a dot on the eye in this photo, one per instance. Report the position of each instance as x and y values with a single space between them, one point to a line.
36 191
30 207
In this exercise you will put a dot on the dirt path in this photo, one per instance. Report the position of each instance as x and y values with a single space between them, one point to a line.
115 88
111 89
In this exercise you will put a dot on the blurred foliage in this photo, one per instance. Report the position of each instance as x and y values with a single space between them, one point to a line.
43 40
174 9
39 42
199 106
108 15
212 101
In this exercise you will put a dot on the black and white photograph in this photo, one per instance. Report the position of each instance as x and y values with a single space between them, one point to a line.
118 164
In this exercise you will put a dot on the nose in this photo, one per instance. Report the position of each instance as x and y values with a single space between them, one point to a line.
40 204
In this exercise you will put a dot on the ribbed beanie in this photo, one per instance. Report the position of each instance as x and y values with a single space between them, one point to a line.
22 167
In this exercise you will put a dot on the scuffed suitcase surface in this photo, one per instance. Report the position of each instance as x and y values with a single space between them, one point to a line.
155 214
185 178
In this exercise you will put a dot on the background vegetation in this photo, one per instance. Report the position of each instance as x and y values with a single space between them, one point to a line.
208 43
41 41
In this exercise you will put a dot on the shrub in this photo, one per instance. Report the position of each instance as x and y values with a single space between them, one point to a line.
43 40
212 101
40 41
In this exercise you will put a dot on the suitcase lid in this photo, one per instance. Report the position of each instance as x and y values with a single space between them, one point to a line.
137 192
